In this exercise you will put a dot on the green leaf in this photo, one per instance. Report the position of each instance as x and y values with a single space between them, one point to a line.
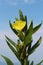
15 31
28 36
40 63
26 22
36 28
29 47
12 42
21 15
13 50
8 61
36 45
16 19
32 63
24 18
25 28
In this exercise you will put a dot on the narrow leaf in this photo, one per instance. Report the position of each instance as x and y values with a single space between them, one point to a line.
24 18
25 28
26 22
8 61
13 50
36 45
40 63
16 19
28 36
21 15
12 42
29 47
32 63
36 28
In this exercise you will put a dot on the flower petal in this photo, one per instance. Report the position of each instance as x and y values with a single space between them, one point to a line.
19 25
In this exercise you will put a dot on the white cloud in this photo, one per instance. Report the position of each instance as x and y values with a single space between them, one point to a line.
38 33
30 1
11 2
4 49
8 2
11 35
26 1
8 33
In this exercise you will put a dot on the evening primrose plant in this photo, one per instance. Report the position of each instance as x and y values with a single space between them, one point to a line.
23 49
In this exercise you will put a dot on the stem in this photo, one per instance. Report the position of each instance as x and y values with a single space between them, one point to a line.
25 62
24 56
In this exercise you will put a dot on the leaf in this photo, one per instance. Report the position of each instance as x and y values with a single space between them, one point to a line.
36 45
28 36
36 28
40 63
32 63
8 61
16 19
25 28
21 15
26 22
29 47
15 31
24 18
13 50
12 42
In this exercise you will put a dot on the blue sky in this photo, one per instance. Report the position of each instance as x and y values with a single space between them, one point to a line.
9 9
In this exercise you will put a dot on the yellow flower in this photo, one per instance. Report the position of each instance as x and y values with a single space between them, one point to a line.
19 25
